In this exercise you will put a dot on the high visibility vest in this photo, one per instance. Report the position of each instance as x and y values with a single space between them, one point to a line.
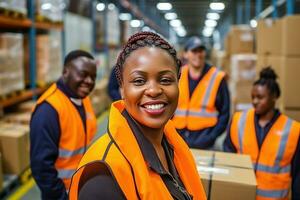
199 111
74 139
272 162
119 151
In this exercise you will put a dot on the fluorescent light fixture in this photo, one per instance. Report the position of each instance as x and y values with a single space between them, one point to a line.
213 16
217 6
210 23
135 23
111 6
253 23
164 6
207 31
125 16
175 23
146 28
181 32
46 6
100 6
170 16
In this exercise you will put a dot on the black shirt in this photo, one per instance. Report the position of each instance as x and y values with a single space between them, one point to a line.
106 187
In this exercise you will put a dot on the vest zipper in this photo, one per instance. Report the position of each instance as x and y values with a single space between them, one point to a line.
186 194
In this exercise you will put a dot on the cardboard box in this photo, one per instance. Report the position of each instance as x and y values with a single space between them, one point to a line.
226 175
240 40
1 173
243 67
290 37
269 37
18 118
292 113
279 37
14 146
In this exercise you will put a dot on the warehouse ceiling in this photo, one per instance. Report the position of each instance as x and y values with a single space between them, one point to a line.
192 13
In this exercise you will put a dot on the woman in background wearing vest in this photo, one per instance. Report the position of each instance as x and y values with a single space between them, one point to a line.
141 156
270 138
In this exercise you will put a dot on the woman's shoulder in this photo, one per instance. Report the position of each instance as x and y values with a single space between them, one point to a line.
96 150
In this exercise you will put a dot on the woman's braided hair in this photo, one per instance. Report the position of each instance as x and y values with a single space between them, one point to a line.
143 39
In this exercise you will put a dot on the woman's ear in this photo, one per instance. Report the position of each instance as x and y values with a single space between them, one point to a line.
121 90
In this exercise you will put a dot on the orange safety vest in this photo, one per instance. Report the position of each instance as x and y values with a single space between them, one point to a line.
119 151
74 139
199 111
272 162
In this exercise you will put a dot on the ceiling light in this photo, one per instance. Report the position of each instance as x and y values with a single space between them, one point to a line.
164 6
217 6
46 6
253 23
135 23
125 16
207 32
213 16
100 6
181 31
146 28
111 6
170 16
210 23
175 23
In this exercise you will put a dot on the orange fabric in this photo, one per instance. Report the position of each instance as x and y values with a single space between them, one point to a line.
73 139
125 158
199 111
273 160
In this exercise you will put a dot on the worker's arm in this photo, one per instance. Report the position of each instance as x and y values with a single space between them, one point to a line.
228 146
44 140
113 87
100 185
296 174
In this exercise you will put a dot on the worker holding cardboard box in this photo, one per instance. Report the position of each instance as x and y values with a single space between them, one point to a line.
270 138
62 126
203 106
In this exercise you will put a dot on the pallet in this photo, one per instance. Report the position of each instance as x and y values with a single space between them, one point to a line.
41 18
12 182
12 13
12 94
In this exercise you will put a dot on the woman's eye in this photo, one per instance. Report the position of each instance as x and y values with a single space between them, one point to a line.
166 81
138 81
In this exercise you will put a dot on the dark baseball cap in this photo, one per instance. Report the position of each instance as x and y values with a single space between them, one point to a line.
193 43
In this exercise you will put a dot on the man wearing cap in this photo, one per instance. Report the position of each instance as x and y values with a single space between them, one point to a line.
62 126
204 105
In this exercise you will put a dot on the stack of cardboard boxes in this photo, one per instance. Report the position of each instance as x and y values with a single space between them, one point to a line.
240 64
278 46
48 58
99 97
11 59
226 175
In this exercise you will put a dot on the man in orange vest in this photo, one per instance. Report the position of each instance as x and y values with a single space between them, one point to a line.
62 126
204 105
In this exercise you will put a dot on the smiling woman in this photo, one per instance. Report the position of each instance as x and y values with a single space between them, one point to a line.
141 156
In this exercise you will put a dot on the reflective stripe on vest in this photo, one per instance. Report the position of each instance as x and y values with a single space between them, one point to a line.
200 106
66 174
276 194
241 130
63 153
269 164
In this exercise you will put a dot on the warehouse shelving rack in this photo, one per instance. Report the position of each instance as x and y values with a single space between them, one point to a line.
30 26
